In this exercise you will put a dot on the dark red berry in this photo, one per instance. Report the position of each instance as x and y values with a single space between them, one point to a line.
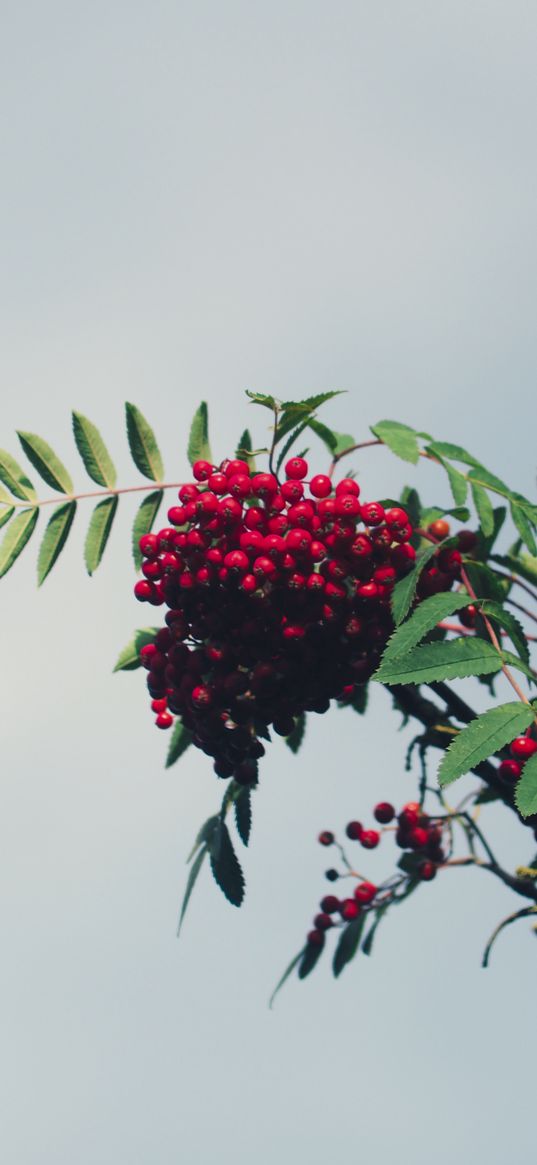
510 769
323 921
326 837
384 812
354 830
329 904
316 938
427 871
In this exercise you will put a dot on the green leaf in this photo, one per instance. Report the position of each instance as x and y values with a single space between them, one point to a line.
485 544
429 612
243 814
16 537
457 482
199 448
310 957
97 461
404 590
143 445
367 945
44 459
343 441
349 941
431 513
324 433
6 512
259 398
402 440
15 478
312 402
191 881
452 452
54 539
482 738
485 583
484 509
181 740
143 522
129 658
359 699
98 532
244 450
524 529
288 971
295 738
454 659
293 436
510 624
515 661
524 564
410 501
205 833
225 865
483 477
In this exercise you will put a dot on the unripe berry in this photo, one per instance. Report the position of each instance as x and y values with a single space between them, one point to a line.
523 747
296 468
320 486
365 892
370 838
439 529
384 812
326 837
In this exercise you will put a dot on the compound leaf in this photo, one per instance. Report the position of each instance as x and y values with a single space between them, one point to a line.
143 444
16 537
453 659
98 532
482 738
510 624
47 463
430 612
54 539
15 478
401 439
97 461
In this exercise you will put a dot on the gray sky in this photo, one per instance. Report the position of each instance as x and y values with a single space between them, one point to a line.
199 199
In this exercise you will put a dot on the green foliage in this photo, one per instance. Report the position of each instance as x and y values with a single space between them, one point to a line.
97 461
129 657
454 659
294 740
6 512
523 564
510 624
401 439
15 478
310 957
47 463
526 788
199 448
348 943
181 739
16 536
482 738
484 509
242 806
244 450
54 539
143 522
430 612
404 591
143 444
98 532
191 882
485 582
225 864
288 971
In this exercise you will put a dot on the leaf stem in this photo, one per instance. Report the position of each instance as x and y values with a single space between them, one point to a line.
101 493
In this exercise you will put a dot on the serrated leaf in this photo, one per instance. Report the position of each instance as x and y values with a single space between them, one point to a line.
181 740
484 509
313 402
524 564
454 659
205 833
15 478
524 529
404 590
514 661
326 435
510 624
47 463
243 814
199 448
98 532
401 439
432 513
54 539
288 971
129 657
259 398
485 544
243 450
411 502
16 537
295 738
225 865
457 483
482 738
310 957
453 453
430 612
293 436
343 441
349 941
6 512
191 881
483 477
143 444
485 583
143 522
97 461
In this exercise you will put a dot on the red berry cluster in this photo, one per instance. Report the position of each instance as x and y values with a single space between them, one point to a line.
278 603
521 749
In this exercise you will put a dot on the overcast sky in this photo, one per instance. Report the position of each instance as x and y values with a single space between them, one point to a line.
198 199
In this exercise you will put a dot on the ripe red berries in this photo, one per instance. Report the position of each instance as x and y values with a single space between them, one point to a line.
523 747
384 812
326 837
296 468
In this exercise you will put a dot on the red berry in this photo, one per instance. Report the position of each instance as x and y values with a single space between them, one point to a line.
217 482
384 812
264 485
372 514
349 909
236 466
202 696
329 904
240 485
396 518
143 591
326 837
427 871
323 921
468 616
510 769
320 486
418 837
439 529
365 892
410 813
202 470
370 838
292 491
316 938
523 747
354 830
296 468
164 720
466 540
348 486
